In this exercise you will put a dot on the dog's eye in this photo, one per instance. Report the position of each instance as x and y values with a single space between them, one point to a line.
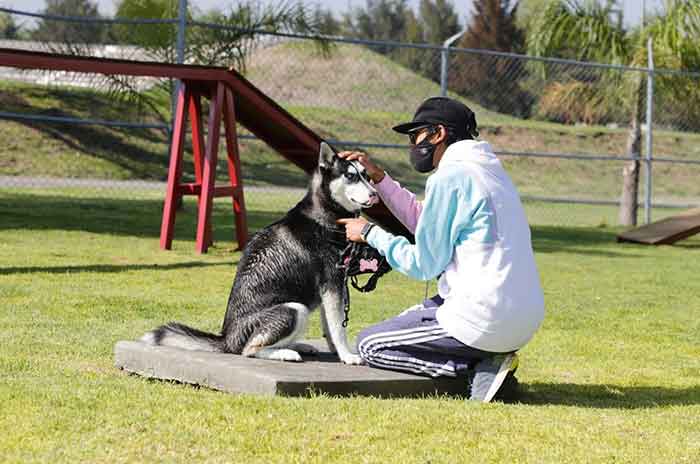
351 176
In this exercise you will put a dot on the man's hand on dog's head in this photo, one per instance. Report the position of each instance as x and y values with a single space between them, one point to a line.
353 228
373 171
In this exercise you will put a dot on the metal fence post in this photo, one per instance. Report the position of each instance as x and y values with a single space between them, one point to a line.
179 49
444 55
649 138
181 25
443 71
180 58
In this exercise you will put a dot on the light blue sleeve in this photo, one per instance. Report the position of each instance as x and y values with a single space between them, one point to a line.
453 211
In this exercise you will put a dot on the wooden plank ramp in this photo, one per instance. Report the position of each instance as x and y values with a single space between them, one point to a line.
666 231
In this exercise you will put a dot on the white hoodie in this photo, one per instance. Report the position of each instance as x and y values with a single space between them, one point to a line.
472 229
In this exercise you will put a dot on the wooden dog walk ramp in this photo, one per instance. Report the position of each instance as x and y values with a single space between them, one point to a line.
666 231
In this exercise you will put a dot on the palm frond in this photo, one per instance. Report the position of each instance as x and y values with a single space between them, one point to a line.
675 36
231 44
582 30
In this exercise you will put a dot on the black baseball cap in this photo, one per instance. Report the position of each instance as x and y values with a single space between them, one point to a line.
451 113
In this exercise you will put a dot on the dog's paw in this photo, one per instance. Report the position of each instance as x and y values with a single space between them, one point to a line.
148 338
286 354
352 359
305 348
279 354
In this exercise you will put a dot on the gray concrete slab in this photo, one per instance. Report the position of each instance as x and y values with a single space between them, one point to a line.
237 374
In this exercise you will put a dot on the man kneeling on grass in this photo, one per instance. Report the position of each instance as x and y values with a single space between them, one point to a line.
471 230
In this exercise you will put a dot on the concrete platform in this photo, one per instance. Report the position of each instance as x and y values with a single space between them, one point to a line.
236 374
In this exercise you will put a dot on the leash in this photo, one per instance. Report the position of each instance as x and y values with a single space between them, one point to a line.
346 258
353 263
348 252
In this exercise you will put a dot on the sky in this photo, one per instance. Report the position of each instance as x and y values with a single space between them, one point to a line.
632 8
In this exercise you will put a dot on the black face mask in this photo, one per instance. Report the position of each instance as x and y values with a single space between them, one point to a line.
422 156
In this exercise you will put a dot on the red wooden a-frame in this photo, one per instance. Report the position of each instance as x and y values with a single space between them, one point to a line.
233 100
221 107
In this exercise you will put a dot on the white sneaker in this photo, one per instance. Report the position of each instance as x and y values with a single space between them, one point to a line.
490 374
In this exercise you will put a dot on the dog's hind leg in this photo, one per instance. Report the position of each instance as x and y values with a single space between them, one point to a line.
277 330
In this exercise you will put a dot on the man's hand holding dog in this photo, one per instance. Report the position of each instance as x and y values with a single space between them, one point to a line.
373 171
353 228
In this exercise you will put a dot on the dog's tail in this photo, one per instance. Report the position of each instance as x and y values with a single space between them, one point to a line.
180 336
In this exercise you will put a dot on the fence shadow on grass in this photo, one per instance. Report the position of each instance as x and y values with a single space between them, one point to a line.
577 240
142 218
109 268
142 152
130 217
606 396
692 244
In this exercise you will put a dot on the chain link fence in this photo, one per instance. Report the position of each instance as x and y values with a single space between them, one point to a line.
562 128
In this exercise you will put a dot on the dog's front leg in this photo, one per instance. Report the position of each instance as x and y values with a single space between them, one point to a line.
332 309
327 332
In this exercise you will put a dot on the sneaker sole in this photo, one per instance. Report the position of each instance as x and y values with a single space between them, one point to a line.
500 377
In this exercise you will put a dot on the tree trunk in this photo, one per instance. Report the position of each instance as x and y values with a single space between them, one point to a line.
630 172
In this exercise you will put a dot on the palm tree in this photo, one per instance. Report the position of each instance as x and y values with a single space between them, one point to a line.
589 30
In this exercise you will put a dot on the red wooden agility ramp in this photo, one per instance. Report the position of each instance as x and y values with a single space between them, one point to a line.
233 99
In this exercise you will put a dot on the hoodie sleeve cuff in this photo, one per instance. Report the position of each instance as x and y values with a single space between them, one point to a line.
378 238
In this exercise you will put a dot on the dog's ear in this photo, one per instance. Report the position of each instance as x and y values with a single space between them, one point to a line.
326 156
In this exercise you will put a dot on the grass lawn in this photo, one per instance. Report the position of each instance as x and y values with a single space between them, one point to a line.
612 376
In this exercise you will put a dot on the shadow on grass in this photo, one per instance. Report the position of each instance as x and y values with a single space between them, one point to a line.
142 218
139 218
141 152
606 396
108 268
110 145
576 240
133 151
147 159
693 243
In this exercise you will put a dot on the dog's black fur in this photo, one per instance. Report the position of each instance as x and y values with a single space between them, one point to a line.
290 263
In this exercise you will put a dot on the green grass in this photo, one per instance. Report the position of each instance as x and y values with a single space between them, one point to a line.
612 376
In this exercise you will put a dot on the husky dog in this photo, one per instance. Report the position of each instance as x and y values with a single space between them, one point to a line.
287 270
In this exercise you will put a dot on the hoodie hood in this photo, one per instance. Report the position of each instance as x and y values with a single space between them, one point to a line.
469 151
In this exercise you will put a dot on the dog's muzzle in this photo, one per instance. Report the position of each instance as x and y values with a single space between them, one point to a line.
373 200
